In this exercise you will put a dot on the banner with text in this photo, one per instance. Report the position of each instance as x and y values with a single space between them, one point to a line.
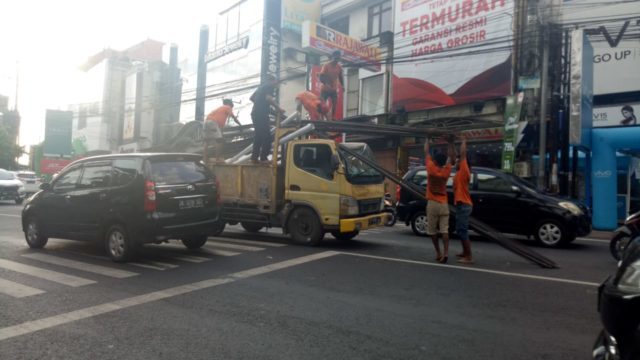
512 112
616 115
451 52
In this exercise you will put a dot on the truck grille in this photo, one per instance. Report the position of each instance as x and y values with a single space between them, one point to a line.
8 190
369 206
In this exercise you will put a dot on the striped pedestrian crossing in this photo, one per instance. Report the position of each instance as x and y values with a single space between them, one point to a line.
157 258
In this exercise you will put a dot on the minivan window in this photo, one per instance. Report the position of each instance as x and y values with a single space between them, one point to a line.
95 177
125 171
490 182
178 172
67 181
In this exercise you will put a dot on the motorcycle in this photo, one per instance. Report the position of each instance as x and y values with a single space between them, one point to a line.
623 235
390 208
619 308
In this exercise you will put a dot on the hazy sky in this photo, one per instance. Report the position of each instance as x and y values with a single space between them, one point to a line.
50 39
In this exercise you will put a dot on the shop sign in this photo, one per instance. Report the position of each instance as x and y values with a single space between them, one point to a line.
512 119
325 40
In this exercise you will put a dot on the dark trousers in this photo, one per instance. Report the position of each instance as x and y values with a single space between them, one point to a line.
261 137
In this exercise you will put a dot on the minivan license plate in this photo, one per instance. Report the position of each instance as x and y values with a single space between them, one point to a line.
190 203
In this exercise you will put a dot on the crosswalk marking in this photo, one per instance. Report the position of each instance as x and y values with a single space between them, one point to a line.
234 246
17 290
60 278
154 265
79 265
248 242
189 258
221 252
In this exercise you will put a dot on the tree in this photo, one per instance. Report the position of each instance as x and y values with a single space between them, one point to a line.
9 150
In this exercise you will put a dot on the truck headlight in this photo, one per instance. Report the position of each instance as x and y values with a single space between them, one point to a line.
348 206
573 208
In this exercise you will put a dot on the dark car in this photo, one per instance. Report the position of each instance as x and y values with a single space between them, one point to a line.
505 202
619 308
124 201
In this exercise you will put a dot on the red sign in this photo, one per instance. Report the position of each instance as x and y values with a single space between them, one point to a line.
315 88
52 166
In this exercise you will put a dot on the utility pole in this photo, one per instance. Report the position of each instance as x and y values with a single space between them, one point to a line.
15 106
544 88
202 72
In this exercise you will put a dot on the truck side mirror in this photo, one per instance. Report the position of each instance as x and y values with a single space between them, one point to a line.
335 162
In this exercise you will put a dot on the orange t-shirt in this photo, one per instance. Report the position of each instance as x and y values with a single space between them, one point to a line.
333 73
310 101
220 115
461 184
437 181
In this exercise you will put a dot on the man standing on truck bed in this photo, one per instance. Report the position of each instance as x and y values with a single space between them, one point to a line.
262 100
216 121
438 171
332 71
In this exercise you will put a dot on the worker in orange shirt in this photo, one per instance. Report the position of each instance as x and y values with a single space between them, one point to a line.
332 72
462 202
316 108
216 121
438 171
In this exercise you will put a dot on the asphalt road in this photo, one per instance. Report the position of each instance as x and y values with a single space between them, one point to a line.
255 296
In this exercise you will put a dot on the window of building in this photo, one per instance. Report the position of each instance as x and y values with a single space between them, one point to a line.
373 96
82 118
379 18
228 27
352 92
341 25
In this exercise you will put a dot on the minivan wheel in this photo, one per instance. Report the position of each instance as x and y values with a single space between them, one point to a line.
419 223
304 227
551 233
251 226
195 242
34 235
118 244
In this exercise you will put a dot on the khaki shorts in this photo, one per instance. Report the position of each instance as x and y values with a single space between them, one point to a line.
437 218
212 130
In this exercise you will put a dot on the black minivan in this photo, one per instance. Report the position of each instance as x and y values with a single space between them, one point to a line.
126 200
505 202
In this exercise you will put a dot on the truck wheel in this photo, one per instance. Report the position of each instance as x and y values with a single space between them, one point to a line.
251 226
419 223
34 235
344 236
217 228
118 244
304 227
195 242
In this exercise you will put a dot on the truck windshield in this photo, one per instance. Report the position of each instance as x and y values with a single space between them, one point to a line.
356 171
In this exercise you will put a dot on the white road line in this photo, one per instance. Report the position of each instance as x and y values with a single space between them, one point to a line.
233 246
79 265
11 215
219 252
61 319
17 290
593 240
54 276
475 269
247 242
188 258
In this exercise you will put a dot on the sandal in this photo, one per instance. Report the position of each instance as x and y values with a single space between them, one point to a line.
443 260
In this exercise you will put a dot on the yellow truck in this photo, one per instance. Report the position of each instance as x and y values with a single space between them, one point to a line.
311 189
